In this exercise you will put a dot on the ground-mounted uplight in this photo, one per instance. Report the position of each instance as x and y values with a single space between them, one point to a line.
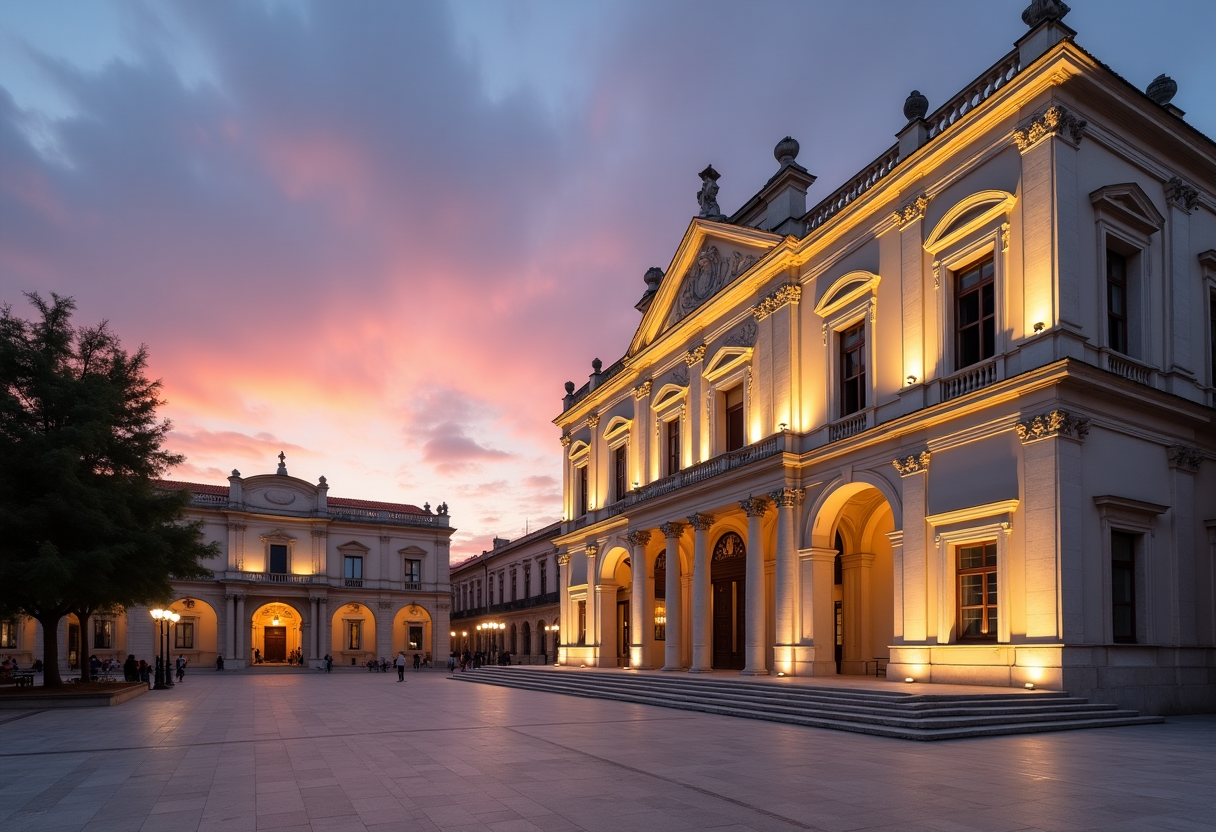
1030 686
780 674
909 680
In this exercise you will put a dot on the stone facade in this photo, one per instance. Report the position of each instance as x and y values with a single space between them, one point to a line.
299 573
966 438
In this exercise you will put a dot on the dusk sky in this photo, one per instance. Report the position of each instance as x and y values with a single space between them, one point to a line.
379 237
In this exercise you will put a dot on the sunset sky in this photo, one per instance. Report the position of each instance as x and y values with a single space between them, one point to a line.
379 237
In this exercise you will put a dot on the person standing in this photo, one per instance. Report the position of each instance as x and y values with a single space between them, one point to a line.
400 662
329 663
417 661
181 668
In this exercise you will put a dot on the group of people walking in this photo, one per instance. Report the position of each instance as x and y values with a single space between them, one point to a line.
468 660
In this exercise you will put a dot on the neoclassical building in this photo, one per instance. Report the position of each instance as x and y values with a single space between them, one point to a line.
299 573
955 421
507 599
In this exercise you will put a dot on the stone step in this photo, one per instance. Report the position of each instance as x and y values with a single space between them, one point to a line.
878 713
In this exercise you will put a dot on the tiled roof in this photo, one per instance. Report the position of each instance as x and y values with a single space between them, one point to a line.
345 502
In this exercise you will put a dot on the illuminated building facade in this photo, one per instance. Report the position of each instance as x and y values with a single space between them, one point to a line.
954 421
506 599
300 575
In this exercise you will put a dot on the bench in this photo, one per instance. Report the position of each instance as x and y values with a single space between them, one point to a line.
24 678
880 667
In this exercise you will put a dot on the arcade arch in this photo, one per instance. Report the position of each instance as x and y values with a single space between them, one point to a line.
614 597
196 635
352 634
413 631
277 632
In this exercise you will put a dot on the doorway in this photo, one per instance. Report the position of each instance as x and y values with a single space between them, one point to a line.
622 633
728 570
73 646
275 641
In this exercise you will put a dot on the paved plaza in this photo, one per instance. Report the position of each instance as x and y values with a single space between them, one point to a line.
354 751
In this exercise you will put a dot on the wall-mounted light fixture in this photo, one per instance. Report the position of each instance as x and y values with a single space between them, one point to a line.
782 426
1039 327
911 380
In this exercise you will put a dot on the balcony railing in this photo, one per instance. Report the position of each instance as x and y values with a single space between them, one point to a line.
360 515
1128 368
520 604
280 578
969 380
357 583
849 427
855 187
974 94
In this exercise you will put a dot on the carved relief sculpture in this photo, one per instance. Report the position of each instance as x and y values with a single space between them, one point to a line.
912 463
782 296
913 210
1181 195
744 335
710 273
1054 121
1053 423
1184 457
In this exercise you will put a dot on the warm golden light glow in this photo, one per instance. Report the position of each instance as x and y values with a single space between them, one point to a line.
1039 327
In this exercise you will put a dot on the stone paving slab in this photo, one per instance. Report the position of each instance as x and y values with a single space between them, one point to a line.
237 752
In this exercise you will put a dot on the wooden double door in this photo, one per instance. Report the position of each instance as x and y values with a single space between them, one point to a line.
729 622
275 641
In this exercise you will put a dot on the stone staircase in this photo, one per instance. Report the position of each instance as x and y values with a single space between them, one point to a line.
883 713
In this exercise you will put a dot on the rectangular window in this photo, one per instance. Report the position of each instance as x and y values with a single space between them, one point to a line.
502 592
491 590
527 581
1116 301
853 369
8 634
354 635
183 635
975 314
479 593
735 434
353 570
1123 586
415 637
103 634
660 620
673 446
582 622
977 592
1212 334
621 470
278 558
514 587
582 496
544 578
413 571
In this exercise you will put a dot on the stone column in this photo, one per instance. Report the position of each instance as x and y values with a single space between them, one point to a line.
910 220
314 639
606 646
821 564
593 612
565 619
786 590
595 498
918 573
242 632
641 605
671 647
754 660
384 629
702 611
230 635
440 637
856 597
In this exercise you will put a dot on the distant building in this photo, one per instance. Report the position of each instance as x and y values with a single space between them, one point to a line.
506 599
954 421
300 574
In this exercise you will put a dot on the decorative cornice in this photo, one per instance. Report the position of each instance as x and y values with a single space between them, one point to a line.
912 464
638 538
1051 424
642 390
1053 121
694 355
754 506
672 529
783 295
563 559
913 210
701 522
593 421
1184 457
786 497
1181 195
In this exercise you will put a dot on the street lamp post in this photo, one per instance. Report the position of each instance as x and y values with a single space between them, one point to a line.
554 628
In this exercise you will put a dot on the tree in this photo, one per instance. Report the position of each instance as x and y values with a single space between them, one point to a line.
83 526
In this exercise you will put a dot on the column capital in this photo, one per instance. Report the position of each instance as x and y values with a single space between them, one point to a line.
754 506
786 497
700 521
639 537
592 550
1053 423
236 527
563 559
317 532
912 464
1054 121
1184 457
694 355
910 211
642 390
776 299
673 529
818 554
1181 195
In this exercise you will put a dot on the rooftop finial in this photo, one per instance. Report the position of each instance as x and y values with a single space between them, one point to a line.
1162 89
786 151
282 464
707 197
654 276
1041 10
596 364
915 106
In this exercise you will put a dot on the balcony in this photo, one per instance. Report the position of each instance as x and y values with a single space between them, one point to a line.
357 583
509 606
277 578
850 425
1128 368
970 379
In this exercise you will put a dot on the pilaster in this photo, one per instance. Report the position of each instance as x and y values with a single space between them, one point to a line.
1183 311
918 578
1187 594
702 612
754 635
671 647
785 592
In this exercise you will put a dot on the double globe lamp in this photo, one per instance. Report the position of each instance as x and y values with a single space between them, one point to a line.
164 679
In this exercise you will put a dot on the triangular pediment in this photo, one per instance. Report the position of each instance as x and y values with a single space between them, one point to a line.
711 257
1128 204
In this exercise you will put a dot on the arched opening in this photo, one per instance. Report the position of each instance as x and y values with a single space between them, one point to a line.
616 578
728 572
525 635
512 643
851 529
412 633
196 634
277 634
352 634
660 608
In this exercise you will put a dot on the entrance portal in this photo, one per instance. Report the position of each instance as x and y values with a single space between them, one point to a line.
727 571
275 641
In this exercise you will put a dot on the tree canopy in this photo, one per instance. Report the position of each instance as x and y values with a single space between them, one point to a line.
83 525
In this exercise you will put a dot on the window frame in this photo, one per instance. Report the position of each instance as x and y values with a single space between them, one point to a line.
982 571
103 631
352 563
948 267
183 634
1133 250
1137 518
1134 543
956 277
8 633
987 523
842 356
850 300
278 538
